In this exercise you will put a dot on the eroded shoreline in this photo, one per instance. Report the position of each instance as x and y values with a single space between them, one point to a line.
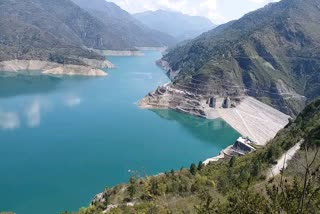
92 67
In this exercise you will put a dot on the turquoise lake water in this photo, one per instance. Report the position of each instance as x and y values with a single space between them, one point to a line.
63 140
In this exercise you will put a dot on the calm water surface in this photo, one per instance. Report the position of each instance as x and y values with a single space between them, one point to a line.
62 140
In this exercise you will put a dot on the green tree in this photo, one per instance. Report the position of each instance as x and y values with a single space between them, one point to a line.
172 172
232 161
256 169
193 169
207 205
132 189
200 166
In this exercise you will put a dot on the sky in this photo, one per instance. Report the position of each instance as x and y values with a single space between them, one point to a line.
218 11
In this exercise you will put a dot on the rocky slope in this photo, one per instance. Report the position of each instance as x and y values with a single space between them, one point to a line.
178 25
271 54
124 25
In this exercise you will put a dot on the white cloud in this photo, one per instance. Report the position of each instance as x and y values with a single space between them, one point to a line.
218 11
191 7
263 1
9 120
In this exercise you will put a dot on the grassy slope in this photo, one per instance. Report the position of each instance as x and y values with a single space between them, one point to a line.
237 186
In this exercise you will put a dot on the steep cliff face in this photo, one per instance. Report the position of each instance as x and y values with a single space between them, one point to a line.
271 54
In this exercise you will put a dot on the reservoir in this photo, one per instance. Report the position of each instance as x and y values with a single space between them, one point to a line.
63 140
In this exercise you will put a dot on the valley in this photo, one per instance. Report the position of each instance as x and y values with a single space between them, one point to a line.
152 108
63 139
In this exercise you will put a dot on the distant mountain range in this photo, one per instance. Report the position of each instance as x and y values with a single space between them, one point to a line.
61 31
124 25
272 54
176 24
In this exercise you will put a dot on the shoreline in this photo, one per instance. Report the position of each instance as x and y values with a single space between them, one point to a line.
248 116
241 147
233 150
160 49
138 52
119 53
169 97
251 118
92 67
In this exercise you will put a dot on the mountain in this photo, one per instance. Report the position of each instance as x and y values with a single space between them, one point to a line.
176 24
272 54
233 185
124 25
62 32
38 29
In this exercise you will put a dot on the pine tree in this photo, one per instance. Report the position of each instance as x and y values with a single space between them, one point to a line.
200 166
193 169
132 189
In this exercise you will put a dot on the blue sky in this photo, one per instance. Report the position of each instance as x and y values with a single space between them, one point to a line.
218 11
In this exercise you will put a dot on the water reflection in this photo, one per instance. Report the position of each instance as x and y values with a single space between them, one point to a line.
17 110
31 113
86 124
12 84
205 130
9 120
35 110
72 101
